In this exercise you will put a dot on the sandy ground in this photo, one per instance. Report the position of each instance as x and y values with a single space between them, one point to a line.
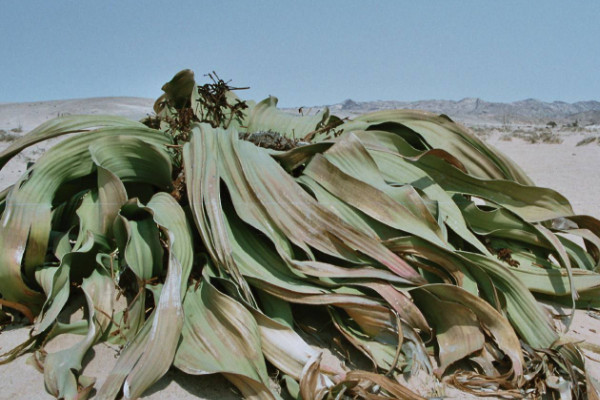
572 170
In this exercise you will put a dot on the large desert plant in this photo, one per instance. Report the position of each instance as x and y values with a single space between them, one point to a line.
224 236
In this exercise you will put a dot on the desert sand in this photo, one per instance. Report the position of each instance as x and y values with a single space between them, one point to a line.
570 169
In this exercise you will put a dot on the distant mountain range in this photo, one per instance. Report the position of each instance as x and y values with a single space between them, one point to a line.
471 111
475 110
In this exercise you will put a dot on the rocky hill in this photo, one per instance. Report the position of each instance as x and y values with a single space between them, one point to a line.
471 111
476 110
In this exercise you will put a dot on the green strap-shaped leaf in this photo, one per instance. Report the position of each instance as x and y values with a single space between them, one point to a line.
529 202
245 201
220 336
126 362
61 369
168 214
372 201
3 195
525 314
347 213
163 337
381 354
265 116
149 355
555 282
439 132
111 195
386 141
396 170
499 222
565 262
132 159
201 161
579 256
79 262
591 241
458 332
140 245
297 156
286 350
25 230
61 126
256 259
100 206
495 323
304 221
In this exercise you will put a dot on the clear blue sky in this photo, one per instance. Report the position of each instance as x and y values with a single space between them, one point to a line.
305 52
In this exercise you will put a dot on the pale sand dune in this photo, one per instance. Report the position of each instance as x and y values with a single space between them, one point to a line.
571 170
29 115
